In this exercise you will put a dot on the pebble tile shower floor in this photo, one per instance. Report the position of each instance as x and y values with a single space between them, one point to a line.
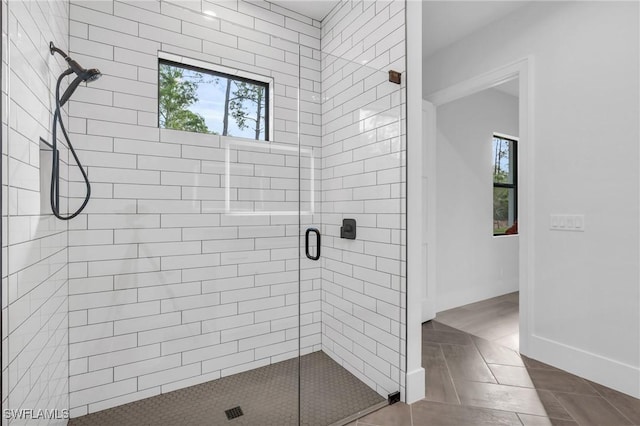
267 396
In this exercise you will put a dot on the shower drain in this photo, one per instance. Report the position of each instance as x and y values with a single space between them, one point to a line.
233 413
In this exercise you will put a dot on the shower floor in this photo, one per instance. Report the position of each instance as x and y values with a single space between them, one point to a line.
268 396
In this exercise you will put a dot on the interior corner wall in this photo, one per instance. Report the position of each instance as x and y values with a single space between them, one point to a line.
584 286
473 265
34 245
363 316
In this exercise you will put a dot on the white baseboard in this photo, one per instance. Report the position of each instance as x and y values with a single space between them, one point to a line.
476 294
414 386
602 370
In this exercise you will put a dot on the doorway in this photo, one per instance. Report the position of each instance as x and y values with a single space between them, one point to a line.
459 256
476 212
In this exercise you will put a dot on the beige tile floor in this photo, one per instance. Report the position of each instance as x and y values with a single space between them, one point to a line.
494 319
472 380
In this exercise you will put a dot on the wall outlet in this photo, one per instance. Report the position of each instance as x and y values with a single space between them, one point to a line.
567 222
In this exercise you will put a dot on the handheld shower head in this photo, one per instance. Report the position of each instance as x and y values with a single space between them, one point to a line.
82 74
93 74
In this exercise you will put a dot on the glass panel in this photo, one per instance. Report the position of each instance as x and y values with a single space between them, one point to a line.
503 210
199 274
35 279
503 155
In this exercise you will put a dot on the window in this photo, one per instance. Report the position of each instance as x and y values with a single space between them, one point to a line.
505 185
200 100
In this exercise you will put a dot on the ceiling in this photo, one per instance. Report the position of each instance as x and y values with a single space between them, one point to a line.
445 22
316 9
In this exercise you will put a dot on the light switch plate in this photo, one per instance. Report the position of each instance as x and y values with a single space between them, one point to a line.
567 222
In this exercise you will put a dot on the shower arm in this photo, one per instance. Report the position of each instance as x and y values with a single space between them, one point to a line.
53 49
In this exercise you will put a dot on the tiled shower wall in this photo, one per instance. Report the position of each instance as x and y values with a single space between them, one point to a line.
34 246
167 290
363 288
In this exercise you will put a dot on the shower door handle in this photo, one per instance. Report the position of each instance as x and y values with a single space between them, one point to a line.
306 243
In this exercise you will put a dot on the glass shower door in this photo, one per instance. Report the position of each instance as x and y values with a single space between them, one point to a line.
351 359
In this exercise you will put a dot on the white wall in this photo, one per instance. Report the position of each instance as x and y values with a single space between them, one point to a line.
584 287
416 212
166 289
473 265
34 253
363 179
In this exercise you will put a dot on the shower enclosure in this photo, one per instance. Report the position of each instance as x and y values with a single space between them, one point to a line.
214 278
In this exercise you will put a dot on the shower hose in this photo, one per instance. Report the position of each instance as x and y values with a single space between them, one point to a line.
55 168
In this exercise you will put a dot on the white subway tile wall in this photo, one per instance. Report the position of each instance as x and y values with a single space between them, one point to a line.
180 274
184 269
363 178
34 244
